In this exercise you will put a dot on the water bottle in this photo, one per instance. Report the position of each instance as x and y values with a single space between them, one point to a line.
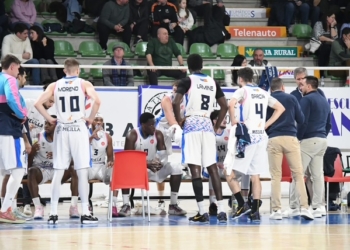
344 201
322 81
171 28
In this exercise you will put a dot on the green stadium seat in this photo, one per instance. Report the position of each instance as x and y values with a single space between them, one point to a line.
91 49
203 50
182 50
227 51
53 33
219 74
302 31
140 49
64 48
127 51
96 73
83 74
138 77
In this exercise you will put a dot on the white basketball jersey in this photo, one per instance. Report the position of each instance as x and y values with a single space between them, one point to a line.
35 119
99 149
221 145
201 95
70 99
40 159
148 145
162 121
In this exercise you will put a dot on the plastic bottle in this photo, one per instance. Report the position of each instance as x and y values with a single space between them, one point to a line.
344 201
322 81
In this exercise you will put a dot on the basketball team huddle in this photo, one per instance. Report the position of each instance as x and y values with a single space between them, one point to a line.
72 146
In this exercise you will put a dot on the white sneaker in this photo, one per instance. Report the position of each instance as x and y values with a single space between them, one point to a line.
291 212
316 212
27 210
323 210
306 214
276 215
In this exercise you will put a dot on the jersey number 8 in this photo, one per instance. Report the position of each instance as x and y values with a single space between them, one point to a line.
205 102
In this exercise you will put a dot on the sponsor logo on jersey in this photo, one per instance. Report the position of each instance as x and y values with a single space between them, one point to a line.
99 159
153 105
46 164
58 128
103 143
36 123
71 128
151 141
226 138
68 89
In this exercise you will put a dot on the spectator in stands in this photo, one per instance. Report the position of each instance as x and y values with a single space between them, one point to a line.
3 21
43 51
139 20
114 19
74 9
294 6
18 45
238 61
277 15
213 31
200 8
185 18
159 53
315 12
258 61
164 15
23 11
340 53
118 77
326 32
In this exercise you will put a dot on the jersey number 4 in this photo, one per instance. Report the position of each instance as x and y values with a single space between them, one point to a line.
259 110
205 102
73 103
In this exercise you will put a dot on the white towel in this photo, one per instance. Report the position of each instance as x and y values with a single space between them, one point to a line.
231 150
176 133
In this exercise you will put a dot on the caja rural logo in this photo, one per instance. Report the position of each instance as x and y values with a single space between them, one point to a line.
154 104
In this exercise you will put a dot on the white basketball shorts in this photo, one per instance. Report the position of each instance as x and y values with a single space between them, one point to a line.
167 139
97 172
199 148
47 174
71 141
165 171
12 153
255 159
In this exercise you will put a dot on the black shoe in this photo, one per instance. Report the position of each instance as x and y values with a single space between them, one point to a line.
52 219
255 217
250 201
213 209
88 219
241 211
200 218
222 217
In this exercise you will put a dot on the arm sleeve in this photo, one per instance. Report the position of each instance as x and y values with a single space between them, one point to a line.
339 50
33 9
49 49
299 115
125 20
173 10
16 12
157 19
184 86
28 48
14 99
318 30
150 47
6 48
305 108
105 14
174 48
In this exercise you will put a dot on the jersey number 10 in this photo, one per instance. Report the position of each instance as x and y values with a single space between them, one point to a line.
73 103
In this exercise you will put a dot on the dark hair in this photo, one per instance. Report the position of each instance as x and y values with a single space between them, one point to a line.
54 116
194 62
145 117
21 71
246 74
237 61
346 31
256 49
276 84
46 83
324 19
176 83
8 60
20 28
214 115
186 9
39 31
313 81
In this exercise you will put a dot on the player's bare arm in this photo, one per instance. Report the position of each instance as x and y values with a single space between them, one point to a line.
176 107
91 92
223 110
110 155
130 140
168 110
94 134
161 150
279 109
27 145
45 96
232 111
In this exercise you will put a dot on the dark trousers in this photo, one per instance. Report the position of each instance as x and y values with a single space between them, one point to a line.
141 30
323 53
153 76
177 34
104 31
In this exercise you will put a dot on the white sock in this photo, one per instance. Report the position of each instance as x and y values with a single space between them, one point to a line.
245 197
12 187
173 198
115 200
74 201
83 188
221 206
36 202
55 190
161 193
14 204
212 199
201 207
125 199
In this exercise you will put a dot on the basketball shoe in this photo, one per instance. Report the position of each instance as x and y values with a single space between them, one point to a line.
39 213
204 218
9 217
88 219
73 212
213 209
174 209
241 211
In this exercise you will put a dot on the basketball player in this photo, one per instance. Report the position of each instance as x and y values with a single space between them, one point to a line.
254 101
102 150
71 133
40 171
198 145
146 138
164 122
13 114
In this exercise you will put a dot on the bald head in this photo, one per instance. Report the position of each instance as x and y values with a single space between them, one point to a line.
162 35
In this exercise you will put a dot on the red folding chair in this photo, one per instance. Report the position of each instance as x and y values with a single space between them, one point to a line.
129 171
337 177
